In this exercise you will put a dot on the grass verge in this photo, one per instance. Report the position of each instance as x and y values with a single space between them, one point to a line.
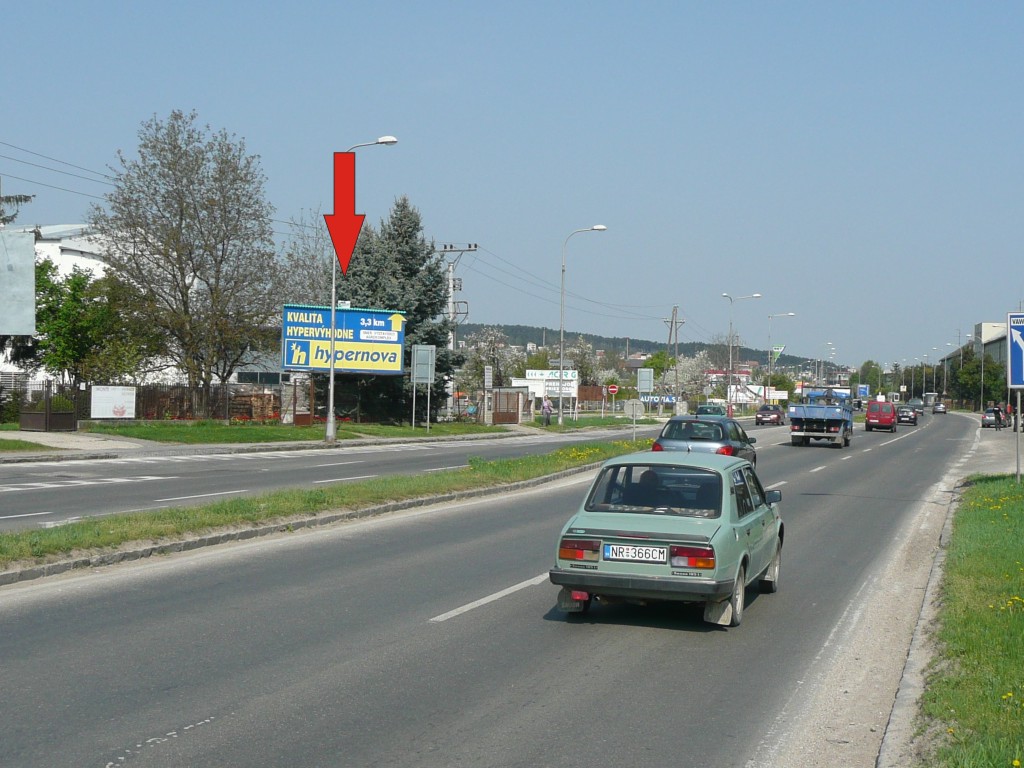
109 533
213 432
14 446
974 701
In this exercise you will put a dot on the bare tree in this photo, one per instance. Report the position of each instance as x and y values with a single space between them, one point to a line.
189 225
308 256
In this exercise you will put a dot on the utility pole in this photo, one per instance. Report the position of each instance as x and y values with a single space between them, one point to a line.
457 310
673 333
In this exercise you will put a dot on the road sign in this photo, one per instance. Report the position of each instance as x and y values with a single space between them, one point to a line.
423 357
1015 350
645 379
633 409
613 389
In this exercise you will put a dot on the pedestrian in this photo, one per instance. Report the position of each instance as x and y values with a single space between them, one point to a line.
1011 417
999 417
546 409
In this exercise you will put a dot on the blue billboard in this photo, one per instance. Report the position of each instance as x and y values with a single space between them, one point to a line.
365 340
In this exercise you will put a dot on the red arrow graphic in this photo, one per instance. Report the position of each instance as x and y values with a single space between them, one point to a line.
344 224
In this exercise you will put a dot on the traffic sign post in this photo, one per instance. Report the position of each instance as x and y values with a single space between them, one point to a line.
1015 371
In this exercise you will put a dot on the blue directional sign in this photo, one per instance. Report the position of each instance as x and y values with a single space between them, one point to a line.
1015 350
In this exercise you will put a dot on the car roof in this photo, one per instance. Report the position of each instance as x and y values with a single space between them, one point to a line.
712 461
707 417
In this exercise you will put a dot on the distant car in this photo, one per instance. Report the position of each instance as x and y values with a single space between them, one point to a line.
678 527
770 414
939 407
988 418
880 415
706 434
918 405
711 410
906 414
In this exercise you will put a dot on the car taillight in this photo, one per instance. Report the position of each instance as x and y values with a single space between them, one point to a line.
726 450
579 549
680 556
657 447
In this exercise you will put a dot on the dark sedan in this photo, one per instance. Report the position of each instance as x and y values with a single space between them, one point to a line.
906 414
770 414
706 434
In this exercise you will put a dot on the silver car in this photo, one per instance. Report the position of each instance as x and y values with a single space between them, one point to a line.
706 434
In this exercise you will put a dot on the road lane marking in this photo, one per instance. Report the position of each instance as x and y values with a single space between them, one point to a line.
338 464
344 479
203 495
491 598
776 485
442 469
818 469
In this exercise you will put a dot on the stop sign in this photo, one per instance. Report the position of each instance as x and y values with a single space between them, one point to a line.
612 389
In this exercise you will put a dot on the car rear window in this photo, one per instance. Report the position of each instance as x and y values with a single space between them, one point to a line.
692 430
657 489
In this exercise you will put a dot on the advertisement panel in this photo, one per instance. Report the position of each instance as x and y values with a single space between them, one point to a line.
112 403
365 340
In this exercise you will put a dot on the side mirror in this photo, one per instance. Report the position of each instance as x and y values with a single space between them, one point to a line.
773 497
751 440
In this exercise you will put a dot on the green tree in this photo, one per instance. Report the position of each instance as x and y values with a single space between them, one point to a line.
87 329
396 268
188 224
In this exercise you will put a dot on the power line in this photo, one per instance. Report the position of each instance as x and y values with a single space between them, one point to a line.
54 159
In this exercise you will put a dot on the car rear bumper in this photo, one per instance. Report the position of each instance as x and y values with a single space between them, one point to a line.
642 587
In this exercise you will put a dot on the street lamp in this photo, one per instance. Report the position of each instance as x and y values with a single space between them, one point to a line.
771 352
733 300
561 320
331 432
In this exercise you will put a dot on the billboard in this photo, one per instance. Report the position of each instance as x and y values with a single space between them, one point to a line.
18 286
365 340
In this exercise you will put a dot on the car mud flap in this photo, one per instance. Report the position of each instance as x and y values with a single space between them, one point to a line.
572 600
718 612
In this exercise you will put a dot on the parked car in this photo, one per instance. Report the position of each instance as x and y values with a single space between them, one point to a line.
880 415
988 418
918 405
706 434
906 414
711 410
770 414
682 527
939 407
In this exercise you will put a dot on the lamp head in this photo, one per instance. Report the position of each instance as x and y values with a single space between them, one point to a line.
599 228
387 140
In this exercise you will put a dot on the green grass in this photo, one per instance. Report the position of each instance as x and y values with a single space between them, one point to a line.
213 432
586 421
974 701
22 445
106 533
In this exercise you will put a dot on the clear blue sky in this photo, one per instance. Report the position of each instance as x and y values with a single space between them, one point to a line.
859 164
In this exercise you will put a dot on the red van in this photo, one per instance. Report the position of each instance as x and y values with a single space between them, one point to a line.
880 416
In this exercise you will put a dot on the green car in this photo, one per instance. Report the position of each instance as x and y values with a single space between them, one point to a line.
684 527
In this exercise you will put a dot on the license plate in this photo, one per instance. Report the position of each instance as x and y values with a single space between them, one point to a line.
635 554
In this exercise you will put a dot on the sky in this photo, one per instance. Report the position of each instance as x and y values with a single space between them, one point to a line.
857 164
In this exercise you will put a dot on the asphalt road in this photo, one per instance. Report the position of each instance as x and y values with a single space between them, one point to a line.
47 493
431 638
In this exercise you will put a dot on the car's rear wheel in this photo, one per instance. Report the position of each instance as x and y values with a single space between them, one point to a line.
769 582
738 599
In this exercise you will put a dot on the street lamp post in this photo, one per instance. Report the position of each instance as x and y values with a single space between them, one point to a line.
331 432
561 320
771 352
728 386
